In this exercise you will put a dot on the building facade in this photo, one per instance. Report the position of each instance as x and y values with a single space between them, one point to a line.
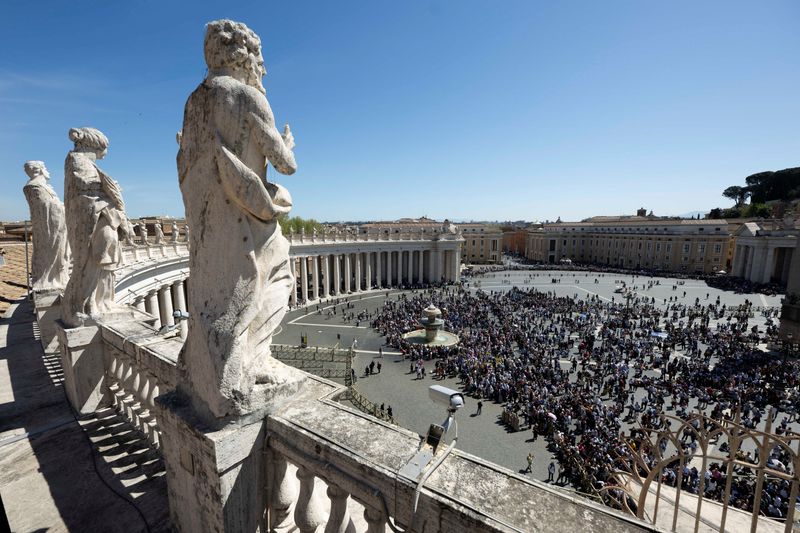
672 245
764 249
514 240
483 244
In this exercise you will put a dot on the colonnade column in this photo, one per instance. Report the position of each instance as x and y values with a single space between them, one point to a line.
315 277
769 267
358 271
293 268
456 270
750 259
388 279
421 267
326 277
138 303
367 271
399 268
347 273
180 305
735 262
304 279
378 269
337 277
151 306
409 272
165 306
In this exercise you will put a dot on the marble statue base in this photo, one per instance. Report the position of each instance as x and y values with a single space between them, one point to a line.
48 312
215 478
83 362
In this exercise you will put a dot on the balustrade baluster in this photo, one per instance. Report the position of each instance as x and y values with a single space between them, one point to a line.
376 522
284 492
153 434
308 514
122 377
113 383
133 404
144 414
339 520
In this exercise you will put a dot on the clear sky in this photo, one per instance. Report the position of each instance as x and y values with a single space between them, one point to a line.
463 109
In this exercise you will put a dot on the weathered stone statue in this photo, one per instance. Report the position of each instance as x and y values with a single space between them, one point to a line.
129 235
186 232
159 233
143 232
237 248
50 264
95 212
174 231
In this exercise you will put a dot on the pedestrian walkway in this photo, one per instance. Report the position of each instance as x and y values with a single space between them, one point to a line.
58 473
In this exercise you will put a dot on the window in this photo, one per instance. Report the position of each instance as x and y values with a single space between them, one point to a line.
701 248
686 248
717 248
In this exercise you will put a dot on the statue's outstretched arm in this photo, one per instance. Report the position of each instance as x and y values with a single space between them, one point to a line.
268 137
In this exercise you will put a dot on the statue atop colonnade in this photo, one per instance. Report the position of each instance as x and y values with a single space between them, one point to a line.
51 257
95 212
237 250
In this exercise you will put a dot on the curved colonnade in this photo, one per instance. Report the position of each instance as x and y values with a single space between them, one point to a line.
153 277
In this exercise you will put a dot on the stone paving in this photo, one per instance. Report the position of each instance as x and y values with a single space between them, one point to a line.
483 435
13 276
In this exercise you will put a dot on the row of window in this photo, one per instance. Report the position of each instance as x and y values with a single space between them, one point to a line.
630 230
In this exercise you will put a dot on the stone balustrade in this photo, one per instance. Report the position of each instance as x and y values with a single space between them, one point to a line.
140 365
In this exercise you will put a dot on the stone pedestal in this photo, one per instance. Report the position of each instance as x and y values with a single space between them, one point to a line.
48 312
215 478
82 358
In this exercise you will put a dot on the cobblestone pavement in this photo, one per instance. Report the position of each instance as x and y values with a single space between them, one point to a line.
482 435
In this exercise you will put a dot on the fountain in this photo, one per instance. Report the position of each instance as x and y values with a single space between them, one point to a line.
432 332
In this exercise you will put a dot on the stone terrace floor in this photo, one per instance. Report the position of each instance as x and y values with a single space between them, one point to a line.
58 473
12 273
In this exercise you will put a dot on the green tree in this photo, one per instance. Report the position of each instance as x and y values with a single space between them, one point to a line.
297 224
737 194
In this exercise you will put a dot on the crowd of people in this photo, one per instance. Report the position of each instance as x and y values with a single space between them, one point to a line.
593 377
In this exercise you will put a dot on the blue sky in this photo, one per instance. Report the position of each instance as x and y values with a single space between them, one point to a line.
476 110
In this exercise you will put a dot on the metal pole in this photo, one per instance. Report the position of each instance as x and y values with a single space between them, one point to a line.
27 263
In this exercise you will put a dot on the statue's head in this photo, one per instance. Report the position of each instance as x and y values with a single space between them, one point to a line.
34 169
233 46
89 140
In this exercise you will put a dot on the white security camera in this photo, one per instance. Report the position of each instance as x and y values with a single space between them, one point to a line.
180 315
449 398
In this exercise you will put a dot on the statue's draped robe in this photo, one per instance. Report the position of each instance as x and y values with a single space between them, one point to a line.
239 259
50 262
92 221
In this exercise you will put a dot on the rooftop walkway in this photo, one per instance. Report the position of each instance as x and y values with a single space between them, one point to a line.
58 473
